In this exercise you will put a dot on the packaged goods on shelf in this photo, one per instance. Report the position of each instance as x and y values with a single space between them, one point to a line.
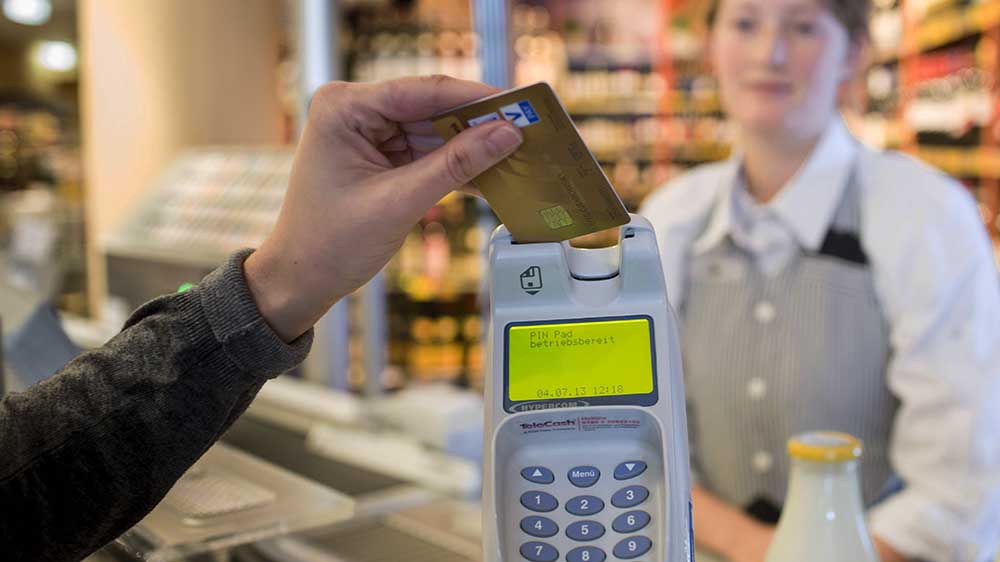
642 94
41 217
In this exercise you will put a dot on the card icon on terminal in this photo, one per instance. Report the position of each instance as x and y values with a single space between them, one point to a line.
531 280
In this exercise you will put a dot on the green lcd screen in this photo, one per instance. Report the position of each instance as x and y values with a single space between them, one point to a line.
579 359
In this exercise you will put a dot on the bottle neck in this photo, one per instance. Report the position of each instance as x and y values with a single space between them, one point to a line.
823 488
823 519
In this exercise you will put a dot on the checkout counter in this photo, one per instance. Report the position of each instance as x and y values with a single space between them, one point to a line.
309 473
367 491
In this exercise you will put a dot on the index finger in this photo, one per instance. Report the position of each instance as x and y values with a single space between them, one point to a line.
417 98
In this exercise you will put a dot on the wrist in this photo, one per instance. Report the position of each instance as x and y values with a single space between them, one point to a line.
280 293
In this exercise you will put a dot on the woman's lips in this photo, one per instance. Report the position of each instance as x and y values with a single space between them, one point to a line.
770 87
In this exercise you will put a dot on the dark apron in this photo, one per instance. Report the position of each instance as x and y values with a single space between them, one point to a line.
766 358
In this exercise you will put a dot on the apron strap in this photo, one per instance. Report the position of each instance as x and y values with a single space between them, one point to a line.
844 241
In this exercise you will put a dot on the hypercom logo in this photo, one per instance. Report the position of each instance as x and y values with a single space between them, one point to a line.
533 406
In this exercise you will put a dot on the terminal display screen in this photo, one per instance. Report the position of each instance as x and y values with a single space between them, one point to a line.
587 359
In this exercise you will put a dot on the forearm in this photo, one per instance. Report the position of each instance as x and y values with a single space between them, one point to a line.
87 453
719 526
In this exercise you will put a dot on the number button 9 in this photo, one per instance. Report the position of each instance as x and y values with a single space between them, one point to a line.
632 547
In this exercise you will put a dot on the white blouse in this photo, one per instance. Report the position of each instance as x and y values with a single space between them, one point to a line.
939 291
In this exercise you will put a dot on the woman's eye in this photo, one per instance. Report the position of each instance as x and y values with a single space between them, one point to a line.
744 24
805 28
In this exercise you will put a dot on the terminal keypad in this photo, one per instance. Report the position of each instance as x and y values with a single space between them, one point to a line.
619 533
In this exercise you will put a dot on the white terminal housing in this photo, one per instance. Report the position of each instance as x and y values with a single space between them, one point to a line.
585 444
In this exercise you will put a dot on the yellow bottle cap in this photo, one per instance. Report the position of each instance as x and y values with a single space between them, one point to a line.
825 446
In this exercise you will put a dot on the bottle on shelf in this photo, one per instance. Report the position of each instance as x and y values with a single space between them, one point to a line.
823 519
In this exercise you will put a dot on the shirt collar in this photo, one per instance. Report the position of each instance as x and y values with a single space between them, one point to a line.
805 204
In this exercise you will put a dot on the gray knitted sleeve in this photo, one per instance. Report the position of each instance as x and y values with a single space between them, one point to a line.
85 454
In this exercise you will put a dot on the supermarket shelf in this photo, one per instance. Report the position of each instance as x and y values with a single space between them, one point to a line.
639 161
688 110
963 162
948 26
615 115
702 152
677 103
582 65
694 152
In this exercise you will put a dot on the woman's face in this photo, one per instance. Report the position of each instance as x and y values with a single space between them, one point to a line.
779 63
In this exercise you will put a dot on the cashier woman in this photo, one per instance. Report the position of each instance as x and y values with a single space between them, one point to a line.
821 284
87 453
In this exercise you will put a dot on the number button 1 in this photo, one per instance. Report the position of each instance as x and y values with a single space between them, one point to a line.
585 505
539 501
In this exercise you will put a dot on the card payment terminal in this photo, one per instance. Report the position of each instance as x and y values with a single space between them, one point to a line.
586 456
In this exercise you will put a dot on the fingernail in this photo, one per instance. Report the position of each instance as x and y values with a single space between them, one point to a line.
504 139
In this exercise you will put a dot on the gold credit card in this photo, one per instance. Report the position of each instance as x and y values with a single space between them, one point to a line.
551 189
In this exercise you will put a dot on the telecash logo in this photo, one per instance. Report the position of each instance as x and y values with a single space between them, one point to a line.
548 424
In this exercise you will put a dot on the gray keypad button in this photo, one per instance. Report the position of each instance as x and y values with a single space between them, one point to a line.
585 505
630 522
629 469
585 530
586 554
630 496
632 547
539 501
584 476
539 552
537 526
538 475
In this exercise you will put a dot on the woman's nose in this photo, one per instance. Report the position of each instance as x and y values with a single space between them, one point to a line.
771 48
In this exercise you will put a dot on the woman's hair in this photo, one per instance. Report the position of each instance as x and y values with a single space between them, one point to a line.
852 14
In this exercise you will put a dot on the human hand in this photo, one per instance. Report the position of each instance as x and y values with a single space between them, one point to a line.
368 166
750 543
887 553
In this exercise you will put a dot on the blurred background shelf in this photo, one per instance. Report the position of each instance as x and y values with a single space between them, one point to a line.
981 162
632 73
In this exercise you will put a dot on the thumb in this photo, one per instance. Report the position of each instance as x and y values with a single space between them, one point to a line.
457 162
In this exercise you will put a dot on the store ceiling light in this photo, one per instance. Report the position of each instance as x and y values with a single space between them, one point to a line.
28 12
57 56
